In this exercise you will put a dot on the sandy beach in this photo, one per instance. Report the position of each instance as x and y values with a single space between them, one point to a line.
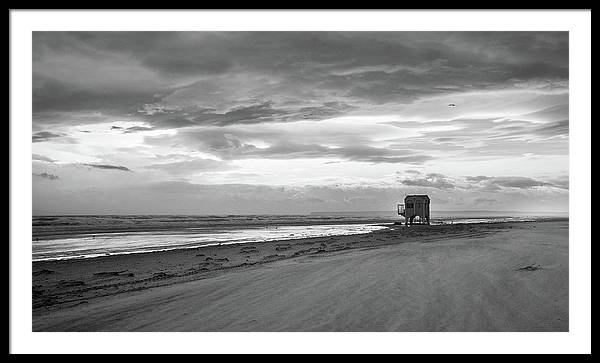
461 277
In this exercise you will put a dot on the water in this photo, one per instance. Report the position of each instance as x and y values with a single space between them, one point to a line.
64 237
461 217
445 217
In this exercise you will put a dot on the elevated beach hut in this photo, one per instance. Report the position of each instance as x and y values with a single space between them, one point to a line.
415 207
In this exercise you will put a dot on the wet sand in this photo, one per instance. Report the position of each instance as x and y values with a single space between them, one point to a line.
484 277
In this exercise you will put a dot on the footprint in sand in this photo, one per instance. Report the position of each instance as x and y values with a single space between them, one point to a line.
44 272
162 275
210 259
110 273
273 258
248 250
70 283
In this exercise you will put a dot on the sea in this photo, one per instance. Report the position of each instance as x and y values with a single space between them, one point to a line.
89 236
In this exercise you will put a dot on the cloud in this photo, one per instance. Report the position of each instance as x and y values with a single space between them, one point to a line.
60 95
235 149
191 166
302 108
47 176
431 180
127 130
554 128
42 136
42 158
184 197
518 182
479 183
553 113
494 183
107 167
285 143
471 137
353 153
488 201
256 113
560 182
262 112
137 129
231 72
478 179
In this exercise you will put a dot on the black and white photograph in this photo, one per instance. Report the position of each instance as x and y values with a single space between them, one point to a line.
258 180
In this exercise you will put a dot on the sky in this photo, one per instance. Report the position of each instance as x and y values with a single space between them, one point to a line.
298 122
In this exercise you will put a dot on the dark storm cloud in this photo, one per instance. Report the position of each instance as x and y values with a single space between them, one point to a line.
108 167
57 95
327 110
166 52
216 52
118 72
240 115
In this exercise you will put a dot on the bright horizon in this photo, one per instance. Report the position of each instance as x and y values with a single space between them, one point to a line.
205 123
392 212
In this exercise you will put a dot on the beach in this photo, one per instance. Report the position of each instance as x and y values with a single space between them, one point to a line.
453 277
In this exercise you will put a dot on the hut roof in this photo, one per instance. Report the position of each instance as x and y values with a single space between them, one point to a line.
417 196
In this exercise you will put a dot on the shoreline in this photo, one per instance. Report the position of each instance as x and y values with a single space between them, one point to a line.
210 244
60 286
179 226
81 231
